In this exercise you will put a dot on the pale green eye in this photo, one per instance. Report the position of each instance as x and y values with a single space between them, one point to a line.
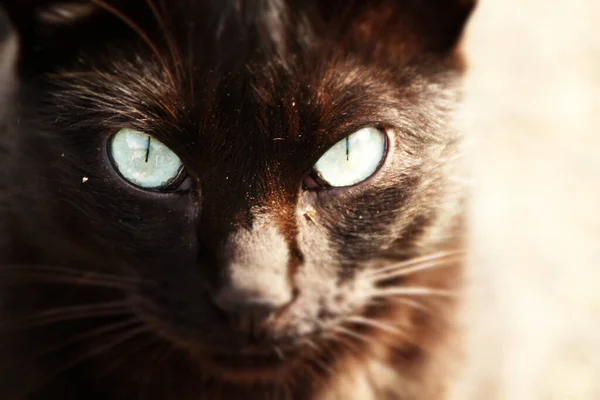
353 159
143 160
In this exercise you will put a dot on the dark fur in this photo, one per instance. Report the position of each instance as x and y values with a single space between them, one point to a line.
245 265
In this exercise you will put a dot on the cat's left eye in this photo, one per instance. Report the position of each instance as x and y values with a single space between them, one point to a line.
144 161
352 160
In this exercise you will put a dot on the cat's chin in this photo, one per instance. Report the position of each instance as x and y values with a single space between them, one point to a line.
250 365
241 364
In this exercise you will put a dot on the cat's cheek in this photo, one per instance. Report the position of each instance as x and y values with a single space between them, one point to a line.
314 238
356 222
132 219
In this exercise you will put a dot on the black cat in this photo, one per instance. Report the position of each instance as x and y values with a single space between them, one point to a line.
230 199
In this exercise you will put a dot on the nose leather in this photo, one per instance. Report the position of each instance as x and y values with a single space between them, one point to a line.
248 311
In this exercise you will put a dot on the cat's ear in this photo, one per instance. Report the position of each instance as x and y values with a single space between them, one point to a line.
421 25
49 29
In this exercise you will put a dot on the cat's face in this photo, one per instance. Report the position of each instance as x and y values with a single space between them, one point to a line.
242 171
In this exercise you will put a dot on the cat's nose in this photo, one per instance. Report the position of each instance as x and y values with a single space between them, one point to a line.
254 280
249 309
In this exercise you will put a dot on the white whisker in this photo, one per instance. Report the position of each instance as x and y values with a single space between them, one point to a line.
375 324
397 272
279 353
320 349
416 262
311 344
352 334
323 366
409 302
413 291
344 341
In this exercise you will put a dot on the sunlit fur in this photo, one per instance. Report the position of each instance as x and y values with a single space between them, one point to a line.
109 291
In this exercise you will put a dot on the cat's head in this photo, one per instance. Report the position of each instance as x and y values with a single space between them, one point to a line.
254 175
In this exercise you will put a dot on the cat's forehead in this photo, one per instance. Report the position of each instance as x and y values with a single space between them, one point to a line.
260 71
268 71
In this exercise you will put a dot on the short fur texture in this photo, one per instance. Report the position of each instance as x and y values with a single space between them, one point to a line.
245 282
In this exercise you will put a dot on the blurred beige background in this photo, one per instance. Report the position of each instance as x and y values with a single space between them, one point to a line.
533 117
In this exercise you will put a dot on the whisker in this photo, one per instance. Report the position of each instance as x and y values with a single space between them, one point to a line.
90 335
324 367
123 357
39 278
82 75
87 355
279 353
74 340
63 314
412 291
71 272
141 33
350 333
307 371
376 302
415 261
316 360
287 391
171 44
409 302
403 270
310 343
375 324
345 342
191 61
385 301
160 360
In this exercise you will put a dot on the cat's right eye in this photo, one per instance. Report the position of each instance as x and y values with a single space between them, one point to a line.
144 161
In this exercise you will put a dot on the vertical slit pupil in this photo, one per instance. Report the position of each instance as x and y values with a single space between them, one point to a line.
148 148
347 149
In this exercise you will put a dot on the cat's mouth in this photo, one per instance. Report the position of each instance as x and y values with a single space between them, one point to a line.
252 358
255 361
248 352
252 363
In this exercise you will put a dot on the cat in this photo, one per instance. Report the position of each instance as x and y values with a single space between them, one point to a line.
226 199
